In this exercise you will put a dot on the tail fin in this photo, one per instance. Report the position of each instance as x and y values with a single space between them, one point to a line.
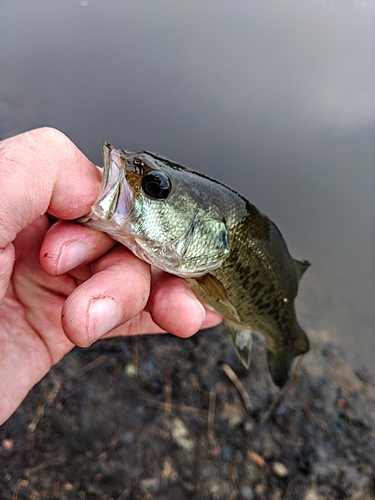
279 363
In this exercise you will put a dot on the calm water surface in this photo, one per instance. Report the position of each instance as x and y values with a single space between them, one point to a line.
274 98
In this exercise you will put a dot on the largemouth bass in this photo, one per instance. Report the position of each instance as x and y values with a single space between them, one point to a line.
232 255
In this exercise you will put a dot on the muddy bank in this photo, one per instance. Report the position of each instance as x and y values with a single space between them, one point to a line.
158 417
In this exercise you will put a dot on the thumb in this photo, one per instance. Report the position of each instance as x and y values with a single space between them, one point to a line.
43 171
6 268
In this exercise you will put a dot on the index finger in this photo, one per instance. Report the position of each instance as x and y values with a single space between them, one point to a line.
43 171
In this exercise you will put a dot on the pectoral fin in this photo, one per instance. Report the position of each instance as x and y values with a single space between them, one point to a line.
212 291
242 340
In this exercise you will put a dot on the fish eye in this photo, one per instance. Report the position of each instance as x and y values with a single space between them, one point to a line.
157 185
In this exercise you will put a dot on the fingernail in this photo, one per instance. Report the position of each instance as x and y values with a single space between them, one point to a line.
104 315
72 255
197 304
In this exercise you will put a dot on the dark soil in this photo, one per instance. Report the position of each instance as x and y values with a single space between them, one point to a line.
157 417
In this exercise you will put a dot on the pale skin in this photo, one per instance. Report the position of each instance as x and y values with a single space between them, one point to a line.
62 284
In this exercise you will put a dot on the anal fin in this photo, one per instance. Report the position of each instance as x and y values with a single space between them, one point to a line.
242 340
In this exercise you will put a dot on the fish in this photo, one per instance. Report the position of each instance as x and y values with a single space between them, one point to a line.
231 254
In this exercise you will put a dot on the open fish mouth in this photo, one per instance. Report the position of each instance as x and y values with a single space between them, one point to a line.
116 199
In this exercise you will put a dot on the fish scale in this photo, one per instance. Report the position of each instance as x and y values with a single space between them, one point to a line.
233 256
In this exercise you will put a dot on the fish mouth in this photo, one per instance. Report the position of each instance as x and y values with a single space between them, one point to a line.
115 199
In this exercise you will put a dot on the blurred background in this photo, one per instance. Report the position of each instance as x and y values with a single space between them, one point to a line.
275 99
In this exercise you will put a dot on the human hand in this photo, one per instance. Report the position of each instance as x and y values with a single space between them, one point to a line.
64 284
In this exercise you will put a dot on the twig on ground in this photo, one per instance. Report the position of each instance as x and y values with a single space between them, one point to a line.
124 494
256 458
135 355
168 395
233 495
90 366
49 398
238 385
211 417
314 418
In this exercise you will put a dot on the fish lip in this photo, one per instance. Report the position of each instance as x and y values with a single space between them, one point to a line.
115 199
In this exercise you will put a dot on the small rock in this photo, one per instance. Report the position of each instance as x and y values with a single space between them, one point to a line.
312 495
168 472
233 413
180 435
150 484
260 488
247 493
279 469
275 495
248 426
216 489
7 444
130 370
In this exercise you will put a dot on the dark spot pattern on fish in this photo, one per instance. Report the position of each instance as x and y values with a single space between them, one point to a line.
255 289
274 311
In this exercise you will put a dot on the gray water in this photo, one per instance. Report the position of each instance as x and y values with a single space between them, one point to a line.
274 98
